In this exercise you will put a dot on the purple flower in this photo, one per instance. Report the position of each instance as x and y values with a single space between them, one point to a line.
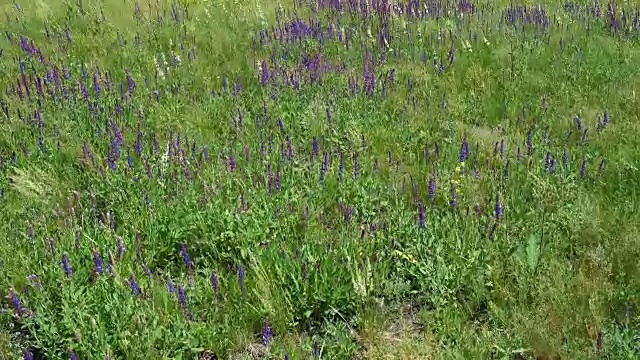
97 261
583 168
421 215
65 265
241 280
133 284
28 355
185 256
578 123
72 355
214 284
182 298
498 207
171 288
601 166
432 189
266 333
265 73
547 161
15 302
464 150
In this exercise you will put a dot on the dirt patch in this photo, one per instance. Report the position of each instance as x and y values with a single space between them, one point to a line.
402 337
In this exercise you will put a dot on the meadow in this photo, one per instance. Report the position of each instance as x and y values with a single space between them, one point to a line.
319 179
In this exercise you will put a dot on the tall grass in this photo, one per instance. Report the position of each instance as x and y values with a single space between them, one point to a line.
319 179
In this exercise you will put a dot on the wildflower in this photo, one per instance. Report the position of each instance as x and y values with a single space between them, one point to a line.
498 207
316 351
421 215
72 355
15 302
266 333
583 168
464 150
133 284
65 265
453 201
185 256
601 166
28 355
241 280
214 284
432 189
97 261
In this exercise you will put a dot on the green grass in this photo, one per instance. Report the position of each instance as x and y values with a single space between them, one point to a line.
329 260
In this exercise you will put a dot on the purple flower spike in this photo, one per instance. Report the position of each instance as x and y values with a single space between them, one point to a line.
182 298
266 332
185 256
133 284
601 166
214 284
65 265
498 207
547 161
72 355
171 288
15 302
421 215
583 168
28 355
97 261
432 189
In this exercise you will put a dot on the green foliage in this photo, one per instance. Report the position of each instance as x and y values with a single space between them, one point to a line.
303 199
